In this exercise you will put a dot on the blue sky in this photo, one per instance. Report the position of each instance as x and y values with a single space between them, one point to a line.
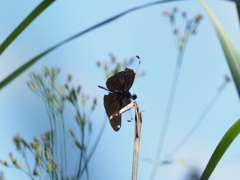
145 33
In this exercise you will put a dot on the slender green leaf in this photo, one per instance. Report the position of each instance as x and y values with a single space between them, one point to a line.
238 10
237 6
223 145
33 15
229 48
236 1
32 61
22 69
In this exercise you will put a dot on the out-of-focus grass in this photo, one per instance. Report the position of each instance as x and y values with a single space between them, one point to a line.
233 59
30 62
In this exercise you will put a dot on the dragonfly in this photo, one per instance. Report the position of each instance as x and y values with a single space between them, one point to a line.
119 96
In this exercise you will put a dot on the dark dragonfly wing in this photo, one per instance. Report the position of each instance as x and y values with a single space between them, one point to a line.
121 81
113 103
130 78
119 96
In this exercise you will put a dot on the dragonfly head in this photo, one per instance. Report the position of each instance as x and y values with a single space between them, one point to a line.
134 96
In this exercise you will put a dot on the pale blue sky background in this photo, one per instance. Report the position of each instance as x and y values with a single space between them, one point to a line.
145 33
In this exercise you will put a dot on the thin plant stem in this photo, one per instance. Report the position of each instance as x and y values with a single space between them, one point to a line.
82 153
82 141
47 106
167 115
26 162
195 126
174 39
85 160
29 174
61 150
198 122
181 47
64 143
94 148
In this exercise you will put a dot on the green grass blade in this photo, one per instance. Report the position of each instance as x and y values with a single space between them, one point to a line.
35 59
236 1
229 48
238 10
223 145
33 15
22 69
238 7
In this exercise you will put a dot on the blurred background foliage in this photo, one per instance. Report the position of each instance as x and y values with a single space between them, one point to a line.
47 155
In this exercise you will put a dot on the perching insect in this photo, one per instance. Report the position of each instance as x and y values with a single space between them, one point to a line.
119 96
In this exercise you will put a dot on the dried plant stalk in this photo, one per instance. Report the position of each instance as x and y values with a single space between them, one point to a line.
137 135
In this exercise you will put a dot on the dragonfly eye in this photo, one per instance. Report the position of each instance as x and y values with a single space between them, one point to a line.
134 96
